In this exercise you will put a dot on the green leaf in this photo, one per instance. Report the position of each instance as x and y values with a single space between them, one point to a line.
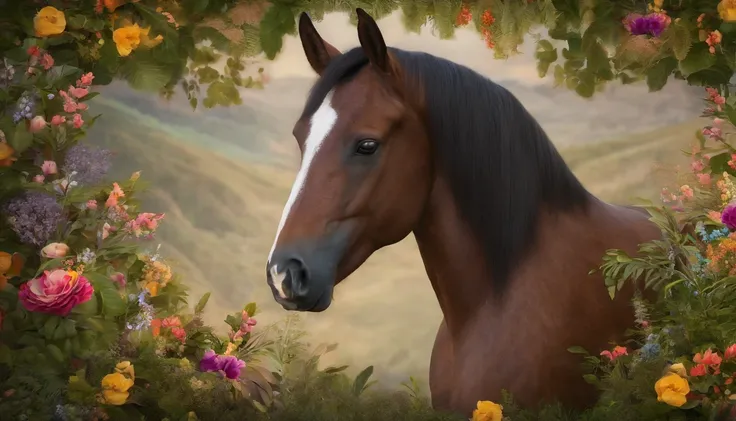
146 74
659 73
719 163
696 61
334 370
199 308
22 139
590 378
577 350
55 352
361 380
50 327
680 39
58 74
277 22
251 309
112 303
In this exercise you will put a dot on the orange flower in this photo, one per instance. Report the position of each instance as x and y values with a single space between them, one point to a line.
156 327
723 256
6 154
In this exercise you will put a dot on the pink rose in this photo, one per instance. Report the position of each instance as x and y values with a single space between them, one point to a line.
38 178
55 292
55 250
85 80
119 279
78 92
47 61
58 120
107 229
38 123
91 204
49 167
77 121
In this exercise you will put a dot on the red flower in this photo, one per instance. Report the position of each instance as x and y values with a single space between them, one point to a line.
730 352
464 17
698 370
487 18
34 51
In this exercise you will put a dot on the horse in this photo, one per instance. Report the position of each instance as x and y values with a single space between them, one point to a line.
395 142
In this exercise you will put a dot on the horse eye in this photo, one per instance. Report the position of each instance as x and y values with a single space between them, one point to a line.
367 147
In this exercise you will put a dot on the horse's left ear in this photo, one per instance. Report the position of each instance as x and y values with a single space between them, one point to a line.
372 41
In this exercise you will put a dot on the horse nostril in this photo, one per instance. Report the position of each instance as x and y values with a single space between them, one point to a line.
298 277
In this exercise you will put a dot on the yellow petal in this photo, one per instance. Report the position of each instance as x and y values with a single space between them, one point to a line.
115 398
6 260
673 398
6 151
49 21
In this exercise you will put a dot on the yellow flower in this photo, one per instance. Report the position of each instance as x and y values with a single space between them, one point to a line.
49 21
488 411
672 389
679 369
149 42
127 39
115 388
152 288
727 10
125 367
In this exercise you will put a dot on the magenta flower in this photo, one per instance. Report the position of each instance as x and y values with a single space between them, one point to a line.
55 292
209 361
652 24
728 216
228 364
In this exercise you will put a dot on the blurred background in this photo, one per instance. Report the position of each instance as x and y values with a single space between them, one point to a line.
222 175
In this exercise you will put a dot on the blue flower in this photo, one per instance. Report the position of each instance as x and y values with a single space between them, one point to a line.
650 351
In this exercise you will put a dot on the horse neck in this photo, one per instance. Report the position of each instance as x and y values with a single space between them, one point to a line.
457 267
454 262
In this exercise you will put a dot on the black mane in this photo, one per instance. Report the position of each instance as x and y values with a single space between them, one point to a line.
500 164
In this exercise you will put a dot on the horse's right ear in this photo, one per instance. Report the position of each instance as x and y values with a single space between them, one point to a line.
318 51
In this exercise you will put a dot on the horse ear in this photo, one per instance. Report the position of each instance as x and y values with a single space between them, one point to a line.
372 41
318 51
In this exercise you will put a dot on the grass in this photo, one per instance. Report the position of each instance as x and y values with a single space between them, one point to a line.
222 214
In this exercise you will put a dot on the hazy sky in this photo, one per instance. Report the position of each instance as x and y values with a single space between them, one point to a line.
467 48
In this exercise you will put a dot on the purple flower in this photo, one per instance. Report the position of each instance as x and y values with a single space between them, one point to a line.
209 361
34 216
728 217
228 364
231 365
90 164
652 24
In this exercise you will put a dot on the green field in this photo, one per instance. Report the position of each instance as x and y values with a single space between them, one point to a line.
223 206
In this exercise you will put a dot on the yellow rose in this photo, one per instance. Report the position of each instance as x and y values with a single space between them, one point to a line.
679 369
49 21
488 411
115 388
672 389
125 367
127 39
727 10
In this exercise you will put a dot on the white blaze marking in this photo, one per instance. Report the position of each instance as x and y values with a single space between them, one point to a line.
320 126
278 279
